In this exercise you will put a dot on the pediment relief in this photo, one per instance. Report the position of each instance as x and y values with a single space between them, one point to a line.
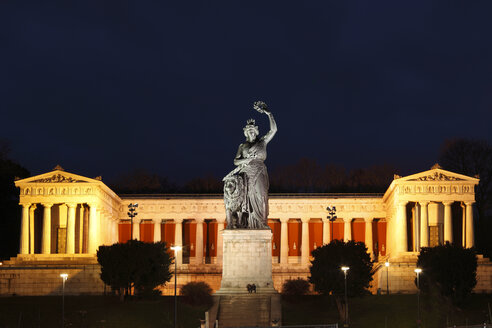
437 176
56 178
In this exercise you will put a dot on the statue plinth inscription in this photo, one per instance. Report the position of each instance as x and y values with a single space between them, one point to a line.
247 240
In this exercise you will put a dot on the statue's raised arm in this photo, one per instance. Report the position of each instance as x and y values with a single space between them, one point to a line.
261 107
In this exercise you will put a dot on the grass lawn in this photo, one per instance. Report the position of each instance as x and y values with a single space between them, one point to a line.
95 311
387 311
107 311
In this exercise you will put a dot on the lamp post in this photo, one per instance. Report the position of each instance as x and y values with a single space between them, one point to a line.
332 216
176 249
418 271
132 212
345 269
387 264
64 277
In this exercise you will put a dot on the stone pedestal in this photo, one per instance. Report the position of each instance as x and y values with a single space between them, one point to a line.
247 259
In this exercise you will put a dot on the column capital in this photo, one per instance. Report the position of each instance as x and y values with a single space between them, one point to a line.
305 220
402 203
469 203
71 205
368 220
448 202
47 205
221 220
284 220
424 202
347 220
25 204
157 221
180 220
199 220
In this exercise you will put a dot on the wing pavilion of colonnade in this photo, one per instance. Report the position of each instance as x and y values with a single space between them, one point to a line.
67 214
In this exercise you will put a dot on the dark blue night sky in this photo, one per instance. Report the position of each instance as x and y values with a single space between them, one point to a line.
102 87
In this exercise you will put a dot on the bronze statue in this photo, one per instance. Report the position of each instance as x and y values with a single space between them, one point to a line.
246 187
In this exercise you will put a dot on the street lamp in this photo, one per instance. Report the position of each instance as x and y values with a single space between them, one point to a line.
132 212
332 216
64 277
176 249
418 271
345 269
387 264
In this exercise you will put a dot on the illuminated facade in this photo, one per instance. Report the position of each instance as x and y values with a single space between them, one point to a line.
65 217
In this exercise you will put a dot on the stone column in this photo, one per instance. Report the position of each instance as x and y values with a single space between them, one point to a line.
81 228
463 225
94 229
347 230
401 228
199 241
424 224
46 246
305 241
157 231
24 237
220 240
109 228
71 229
31 228
470 234
284 241
136 229
326 231
368 236
178 238
85 236
115 231
448 223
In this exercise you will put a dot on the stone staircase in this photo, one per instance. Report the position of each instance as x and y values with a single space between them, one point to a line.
248 310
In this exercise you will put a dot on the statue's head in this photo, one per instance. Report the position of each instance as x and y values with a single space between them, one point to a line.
251 130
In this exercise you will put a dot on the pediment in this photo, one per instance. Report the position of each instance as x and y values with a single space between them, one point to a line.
57 176
437 174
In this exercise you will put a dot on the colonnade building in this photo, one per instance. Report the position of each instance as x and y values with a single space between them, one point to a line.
66 217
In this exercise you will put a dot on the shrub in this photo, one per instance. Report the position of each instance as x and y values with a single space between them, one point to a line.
197 293
295 287
143 266
450 268
328 278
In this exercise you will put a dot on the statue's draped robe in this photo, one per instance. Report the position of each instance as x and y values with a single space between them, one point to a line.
256 185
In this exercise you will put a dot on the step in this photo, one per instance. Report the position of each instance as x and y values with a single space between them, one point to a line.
244 310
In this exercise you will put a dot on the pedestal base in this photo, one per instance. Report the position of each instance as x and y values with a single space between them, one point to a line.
247 259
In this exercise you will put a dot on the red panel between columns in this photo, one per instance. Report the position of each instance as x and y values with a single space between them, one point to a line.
124 232
315 234
274 224
337 229
147 232
358 231
295 235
